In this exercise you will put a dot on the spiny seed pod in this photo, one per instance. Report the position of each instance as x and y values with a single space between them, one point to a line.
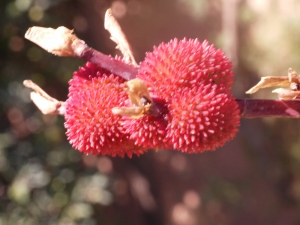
185 64
194 81
91 126
202 119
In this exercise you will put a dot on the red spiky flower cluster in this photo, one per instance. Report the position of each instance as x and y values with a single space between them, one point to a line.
91 126
192 109
194 81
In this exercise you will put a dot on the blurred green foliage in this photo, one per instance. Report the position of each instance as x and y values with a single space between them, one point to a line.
42 179
254 179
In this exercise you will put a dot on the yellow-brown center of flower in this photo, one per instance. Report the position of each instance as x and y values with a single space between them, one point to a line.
140 100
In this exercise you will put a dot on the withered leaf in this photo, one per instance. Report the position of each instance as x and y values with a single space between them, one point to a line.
286 94
117 35
270 81
292 81
293 76
133 112
46 104
60 41
138 92
139 97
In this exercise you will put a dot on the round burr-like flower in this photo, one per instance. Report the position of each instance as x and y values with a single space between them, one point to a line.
185 64
91 126
201 119
194 80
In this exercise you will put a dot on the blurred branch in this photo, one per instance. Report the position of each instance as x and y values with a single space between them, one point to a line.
229 29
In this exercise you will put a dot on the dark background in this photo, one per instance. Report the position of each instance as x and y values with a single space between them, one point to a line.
253 179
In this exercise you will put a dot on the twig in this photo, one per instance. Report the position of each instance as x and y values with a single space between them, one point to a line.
255 108
63 42
249 108
117 67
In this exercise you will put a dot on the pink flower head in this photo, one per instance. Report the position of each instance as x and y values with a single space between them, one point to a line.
91 126
191 105
185 64
201 119
194 81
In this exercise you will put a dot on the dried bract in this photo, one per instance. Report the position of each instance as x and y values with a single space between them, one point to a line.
60 41
140 100
45 103
292 81
117 35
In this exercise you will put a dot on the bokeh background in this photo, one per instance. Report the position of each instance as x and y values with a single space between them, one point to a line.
253 179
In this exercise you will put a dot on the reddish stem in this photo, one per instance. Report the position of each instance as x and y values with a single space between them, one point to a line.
250 108
117 67
255 108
